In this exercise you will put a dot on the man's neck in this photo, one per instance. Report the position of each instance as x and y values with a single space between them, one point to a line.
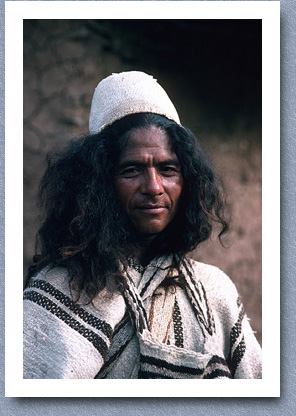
143 254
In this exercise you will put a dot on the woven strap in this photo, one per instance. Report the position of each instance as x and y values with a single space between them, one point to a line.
161 314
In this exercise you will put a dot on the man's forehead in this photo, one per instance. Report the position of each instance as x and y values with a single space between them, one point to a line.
144 143
148 137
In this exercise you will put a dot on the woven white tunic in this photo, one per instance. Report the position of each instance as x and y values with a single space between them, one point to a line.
197 329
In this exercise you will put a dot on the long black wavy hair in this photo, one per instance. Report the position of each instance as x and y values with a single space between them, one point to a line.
84 228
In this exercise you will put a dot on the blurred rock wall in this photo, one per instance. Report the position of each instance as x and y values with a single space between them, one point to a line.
63 62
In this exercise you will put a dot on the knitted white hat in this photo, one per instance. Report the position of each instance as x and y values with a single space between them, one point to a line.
127 93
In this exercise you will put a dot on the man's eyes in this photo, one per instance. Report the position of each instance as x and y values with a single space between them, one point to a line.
130 171
166 170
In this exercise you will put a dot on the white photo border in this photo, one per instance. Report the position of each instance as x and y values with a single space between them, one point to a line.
15 13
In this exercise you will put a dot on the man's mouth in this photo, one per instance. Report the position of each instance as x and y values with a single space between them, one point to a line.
152 208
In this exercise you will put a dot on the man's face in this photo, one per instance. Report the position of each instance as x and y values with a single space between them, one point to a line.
148 181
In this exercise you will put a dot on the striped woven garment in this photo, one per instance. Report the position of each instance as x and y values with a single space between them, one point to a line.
185 322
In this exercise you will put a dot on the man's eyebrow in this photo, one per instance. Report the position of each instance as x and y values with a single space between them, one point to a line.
173 162
132 162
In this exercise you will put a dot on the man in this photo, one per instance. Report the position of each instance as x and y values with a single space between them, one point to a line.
113 293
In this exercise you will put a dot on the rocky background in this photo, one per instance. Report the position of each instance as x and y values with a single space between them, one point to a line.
212 72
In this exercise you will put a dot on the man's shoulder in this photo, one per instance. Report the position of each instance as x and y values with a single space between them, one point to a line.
56 277
205 270
211 276
219 288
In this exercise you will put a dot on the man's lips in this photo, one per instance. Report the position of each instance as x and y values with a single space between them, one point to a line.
151 208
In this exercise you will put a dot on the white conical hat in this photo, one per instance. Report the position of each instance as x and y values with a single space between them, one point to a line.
127 93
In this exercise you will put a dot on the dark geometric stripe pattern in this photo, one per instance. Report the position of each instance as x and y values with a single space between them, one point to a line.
178 329
55 310
236 355
237 328
70 304
146 361
152 367
217 367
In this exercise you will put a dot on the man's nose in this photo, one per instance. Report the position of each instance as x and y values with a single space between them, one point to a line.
152 183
